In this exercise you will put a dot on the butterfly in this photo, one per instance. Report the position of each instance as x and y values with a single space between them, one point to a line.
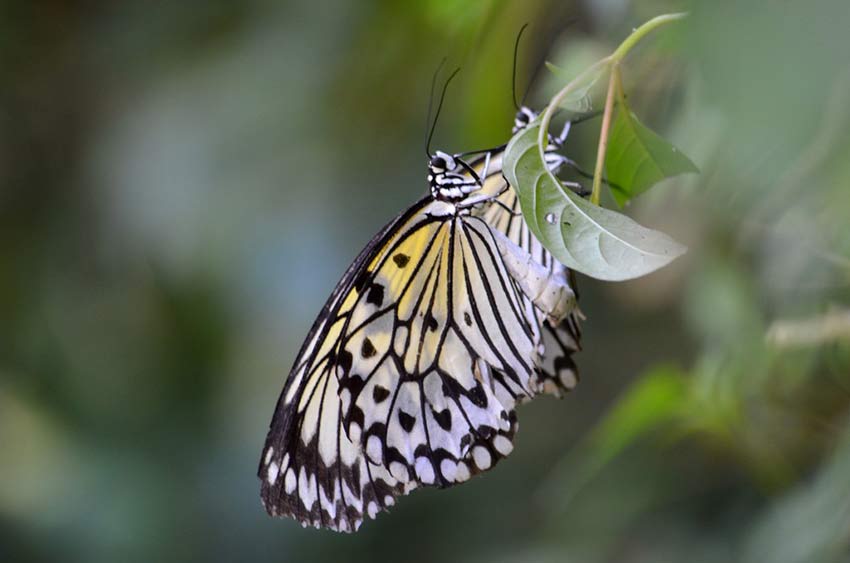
410 374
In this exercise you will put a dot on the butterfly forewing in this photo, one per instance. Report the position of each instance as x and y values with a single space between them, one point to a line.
409 376
437 370
311 470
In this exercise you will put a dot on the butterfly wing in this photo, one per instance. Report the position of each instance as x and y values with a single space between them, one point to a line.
408 377
310 469
437 351
557 372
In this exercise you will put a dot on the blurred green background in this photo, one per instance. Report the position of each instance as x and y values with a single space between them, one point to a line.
182 184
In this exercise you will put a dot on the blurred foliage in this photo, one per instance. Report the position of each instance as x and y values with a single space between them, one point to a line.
181 184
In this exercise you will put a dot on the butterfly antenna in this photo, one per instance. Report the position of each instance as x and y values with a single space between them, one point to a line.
431 99
513 72
540 64
533 78
437 113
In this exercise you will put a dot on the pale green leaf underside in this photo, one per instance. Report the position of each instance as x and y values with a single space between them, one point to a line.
598 242
580 100
637 158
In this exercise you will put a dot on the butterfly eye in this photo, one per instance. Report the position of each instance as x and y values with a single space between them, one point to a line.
525 116
438 163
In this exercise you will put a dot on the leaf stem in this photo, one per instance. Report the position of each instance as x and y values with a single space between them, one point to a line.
612 61
613 81
542 139
641 32
619 91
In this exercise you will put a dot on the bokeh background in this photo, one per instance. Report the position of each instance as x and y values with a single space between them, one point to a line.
182 184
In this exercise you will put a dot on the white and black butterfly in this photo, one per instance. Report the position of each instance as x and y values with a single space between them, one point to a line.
411 372
451 315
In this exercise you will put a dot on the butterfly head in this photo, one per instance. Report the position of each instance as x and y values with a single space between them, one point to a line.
449 178
440 164
524 116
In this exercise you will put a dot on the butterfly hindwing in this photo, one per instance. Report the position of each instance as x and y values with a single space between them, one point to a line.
557 372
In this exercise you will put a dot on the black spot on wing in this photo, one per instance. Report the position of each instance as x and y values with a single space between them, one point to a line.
368 349
429 321
477 395
354 416
376 295
407 421
401 260
344 360
360 282
380 394
444 419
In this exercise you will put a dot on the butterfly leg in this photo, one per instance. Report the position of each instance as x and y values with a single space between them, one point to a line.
507 209
555 161
585 174
576 188
562 137
492 198
485 169
484 198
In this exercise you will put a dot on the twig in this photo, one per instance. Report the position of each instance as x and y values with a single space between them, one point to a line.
830 327
595 193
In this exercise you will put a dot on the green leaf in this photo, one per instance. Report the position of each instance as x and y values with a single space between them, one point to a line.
637 158
579 100
598 242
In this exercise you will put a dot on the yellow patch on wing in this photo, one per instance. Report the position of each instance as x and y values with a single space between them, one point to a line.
414 247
